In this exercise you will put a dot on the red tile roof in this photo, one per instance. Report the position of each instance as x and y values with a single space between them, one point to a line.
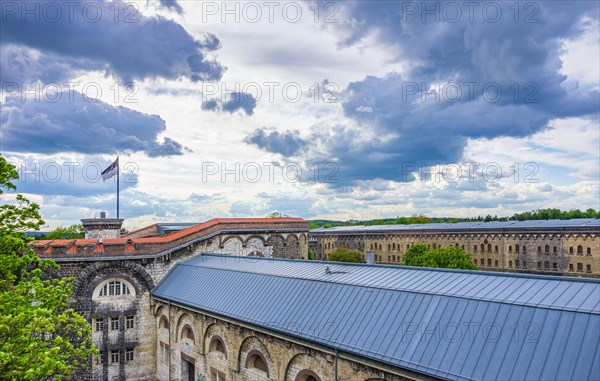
128 245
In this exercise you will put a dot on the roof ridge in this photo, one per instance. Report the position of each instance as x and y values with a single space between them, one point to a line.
379 287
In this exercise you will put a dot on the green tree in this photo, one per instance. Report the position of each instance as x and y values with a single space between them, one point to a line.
276 215
415 255
450 257
41 338
342 254
71 232
311 255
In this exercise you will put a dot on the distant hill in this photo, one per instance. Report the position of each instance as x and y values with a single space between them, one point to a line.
539 214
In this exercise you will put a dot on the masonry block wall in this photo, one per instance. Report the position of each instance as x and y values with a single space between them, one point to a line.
551 253
213 347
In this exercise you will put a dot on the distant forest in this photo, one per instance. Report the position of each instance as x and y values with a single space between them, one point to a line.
540 214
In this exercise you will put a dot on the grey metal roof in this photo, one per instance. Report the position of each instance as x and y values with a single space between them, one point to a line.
457 325
593 223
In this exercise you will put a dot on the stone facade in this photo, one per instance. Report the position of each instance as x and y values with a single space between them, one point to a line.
551 252
114 277
194 345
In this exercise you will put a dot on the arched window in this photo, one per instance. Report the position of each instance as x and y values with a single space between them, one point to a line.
496 248
113 287
489 247
554 249
482 247
307 375
579 250
510 249
188 333
539 249
163 322
589 251
517 248
571 250
547 249
256 360
217 345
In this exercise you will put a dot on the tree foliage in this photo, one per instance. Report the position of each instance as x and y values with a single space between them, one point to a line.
450 257
342 254
70 232
41 338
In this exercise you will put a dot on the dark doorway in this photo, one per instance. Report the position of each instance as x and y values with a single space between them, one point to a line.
188 371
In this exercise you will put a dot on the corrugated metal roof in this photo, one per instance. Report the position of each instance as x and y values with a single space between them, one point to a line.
529 224
458 325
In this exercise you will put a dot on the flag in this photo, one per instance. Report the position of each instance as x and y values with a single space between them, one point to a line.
111 170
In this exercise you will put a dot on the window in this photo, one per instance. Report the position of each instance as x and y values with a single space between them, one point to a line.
555 265
517 248
496 248
517 263
571 250
524 264
539 264
129 354
256 360
114 356
580 267
570 267
475 248
589 251
482 262
579 250
187 333
163 323
539 249
490 247
482 248
217 345
510 249
547 249
496 263
524 248
554 250
588 269
99 324
114 323
547 265
489 262
509 263
129 322
114 288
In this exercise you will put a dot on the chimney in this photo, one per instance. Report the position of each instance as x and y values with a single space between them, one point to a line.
99 228
370 258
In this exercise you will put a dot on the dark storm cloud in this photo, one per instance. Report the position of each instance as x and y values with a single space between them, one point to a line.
172 5
80 125
288 143
235 102
494 77
98 35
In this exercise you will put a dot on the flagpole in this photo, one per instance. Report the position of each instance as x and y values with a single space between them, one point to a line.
118 187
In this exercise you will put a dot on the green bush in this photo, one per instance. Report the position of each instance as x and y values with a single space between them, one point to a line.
450 257
344 255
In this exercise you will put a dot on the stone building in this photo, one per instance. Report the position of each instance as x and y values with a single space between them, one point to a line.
114 276
223 318
555 247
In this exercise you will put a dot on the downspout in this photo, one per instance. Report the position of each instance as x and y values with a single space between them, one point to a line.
336 365
169 350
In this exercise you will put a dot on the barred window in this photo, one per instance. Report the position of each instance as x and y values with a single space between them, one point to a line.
129 322
99 324
114 288
114 356
129 354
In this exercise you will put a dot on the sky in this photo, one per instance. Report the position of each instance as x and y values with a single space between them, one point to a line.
313 109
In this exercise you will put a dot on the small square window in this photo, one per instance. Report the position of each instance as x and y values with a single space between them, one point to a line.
114 323
129 354
129 320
